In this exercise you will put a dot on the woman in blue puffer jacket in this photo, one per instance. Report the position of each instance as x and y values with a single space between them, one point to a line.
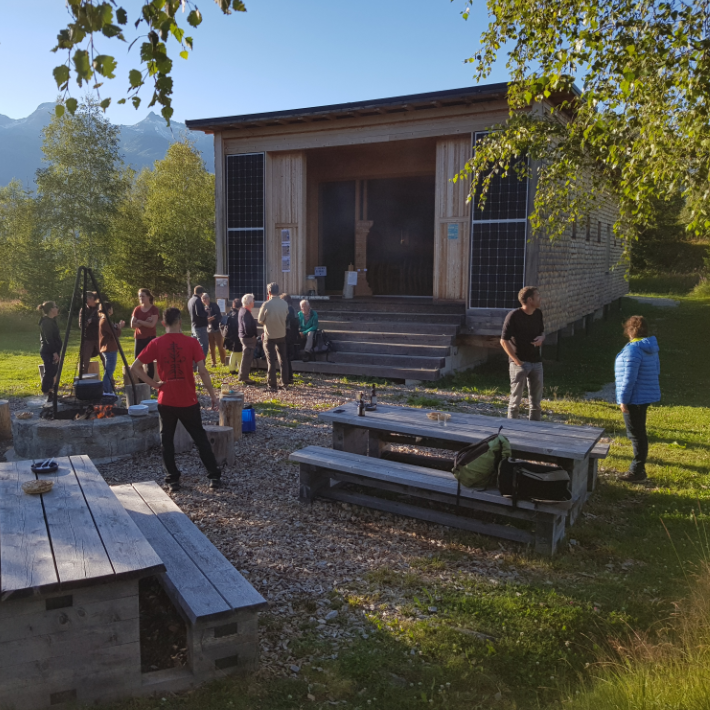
637 368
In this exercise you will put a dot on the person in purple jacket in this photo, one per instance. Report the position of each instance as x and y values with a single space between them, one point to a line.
637 368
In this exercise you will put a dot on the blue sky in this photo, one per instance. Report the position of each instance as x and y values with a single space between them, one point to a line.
278 55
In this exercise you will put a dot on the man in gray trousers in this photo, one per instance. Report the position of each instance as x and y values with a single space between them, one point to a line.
522 339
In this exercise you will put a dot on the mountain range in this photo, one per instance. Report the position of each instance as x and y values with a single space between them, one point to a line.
141 144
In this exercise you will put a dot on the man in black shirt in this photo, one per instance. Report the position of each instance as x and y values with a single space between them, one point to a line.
522 339
198 319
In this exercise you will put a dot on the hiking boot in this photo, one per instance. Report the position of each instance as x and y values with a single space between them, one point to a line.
215 483
173 486
631 477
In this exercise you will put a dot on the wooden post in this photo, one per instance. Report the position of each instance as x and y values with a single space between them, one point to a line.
142 392
5 425
230 413
222 441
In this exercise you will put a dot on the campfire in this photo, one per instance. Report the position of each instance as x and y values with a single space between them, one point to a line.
75 411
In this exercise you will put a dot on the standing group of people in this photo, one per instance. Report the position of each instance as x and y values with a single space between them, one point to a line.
637 369
285 332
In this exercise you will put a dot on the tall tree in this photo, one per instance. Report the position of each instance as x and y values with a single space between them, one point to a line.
27 254
179 214
80 189
639 127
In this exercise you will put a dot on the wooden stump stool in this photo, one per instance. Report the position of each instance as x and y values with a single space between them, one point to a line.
142 392
230 413
222 441
182 440
6 426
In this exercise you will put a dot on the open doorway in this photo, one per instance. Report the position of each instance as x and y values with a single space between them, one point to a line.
336 220
400 245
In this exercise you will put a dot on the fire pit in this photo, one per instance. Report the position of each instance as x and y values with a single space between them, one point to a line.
101 433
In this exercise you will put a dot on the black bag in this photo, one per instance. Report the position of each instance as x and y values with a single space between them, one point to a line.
229 327
524 480
321 343
259 353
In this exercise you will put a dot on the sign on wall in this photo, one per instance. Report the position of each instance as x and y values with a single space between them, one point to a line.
285 251
321 271
452 231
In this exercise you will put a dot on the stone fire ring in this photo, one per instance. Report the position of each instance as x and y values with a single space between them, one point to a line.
103 440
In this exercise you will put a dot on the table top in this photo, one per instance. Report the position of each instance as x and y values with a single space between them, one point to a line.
76 535
546 438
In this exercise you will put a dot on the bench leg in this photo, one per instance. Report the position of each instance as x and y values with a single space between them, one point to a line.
592 475
549 531
312 481
376 446
351 439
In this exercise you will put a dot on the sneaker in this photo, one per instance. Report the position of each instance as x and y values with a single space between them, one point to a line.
215 483
631 477
173 486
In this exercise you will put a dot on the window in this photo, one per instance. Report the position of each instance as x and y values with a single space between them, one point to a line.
588 229
574 229
599 231
245 224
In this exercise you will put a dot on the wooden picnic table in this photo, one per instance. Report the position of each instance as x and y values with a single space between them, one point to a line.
70 563
568 446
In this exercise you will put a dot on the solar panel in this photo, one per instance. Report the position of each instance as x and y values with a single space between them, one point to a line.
498 239
497 264
245 224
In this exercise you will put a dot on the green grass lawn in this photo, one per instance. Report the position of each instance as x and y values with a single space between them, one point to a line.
546 637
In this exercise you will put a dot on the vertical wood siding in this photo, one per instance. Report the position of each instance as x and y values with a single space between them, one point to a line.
451 256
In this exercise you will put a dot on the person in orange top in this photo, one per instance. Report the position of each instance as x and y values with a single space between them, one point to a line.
145 321
109 333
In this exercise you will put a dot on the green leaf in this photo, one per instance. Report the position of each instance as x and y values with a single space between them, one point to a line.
184 54
121 16
194 18
105 104
136 101
71 105
82 66
59 110
188 42
166 112
121 101
239 6
61 74
105 65
135 78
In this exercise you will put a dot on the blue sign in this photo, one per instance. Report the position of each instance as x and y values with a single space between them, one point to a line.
452 231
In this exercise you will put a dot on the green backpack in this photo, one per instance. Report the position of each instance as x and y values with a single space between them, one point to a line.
476 465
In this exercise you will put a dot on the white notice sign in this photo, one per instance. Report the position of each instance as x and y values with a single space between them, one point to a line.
352 278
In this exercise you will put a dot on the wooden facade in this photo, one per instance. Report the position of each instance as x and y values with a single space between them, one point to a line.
339 165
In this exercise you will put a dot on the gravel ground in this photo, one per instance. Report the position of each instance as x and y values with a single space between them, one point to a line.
305 559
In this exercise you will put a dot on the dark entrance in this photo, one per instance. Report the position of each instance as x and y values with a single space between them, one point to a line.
337 230
400 246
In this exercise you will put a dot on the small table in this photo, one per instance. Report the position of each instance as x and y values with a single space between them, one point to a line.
70 562
565 445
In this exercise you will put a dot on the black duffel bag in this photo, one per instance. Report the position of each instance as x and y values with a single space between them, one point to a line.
525 480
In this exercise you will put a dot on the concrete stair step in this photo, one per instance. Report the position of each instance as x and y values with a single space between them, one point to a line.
400 361
370 336
394 316
416 328
362 370
383 348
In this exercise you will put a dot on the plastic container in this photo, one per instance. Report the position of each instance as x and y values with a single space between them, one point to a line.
152 404
248 420
138 410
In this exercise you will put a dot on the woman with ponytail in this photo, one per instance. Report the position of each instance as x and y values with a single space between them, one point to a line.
50 345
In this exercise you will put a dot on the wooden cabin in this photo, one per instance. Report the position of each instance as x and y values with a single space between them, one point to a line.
304 195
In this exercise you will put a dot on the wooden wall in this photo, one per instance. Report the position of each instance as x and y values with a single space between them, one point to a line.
451 256
286 209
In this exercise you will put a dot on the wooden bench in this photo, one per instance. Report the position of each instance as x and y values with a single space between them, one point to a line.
324 471
600 451
218 605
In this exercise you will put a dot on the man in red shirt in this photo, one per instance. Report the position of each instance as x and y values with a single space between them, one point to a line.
175 354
